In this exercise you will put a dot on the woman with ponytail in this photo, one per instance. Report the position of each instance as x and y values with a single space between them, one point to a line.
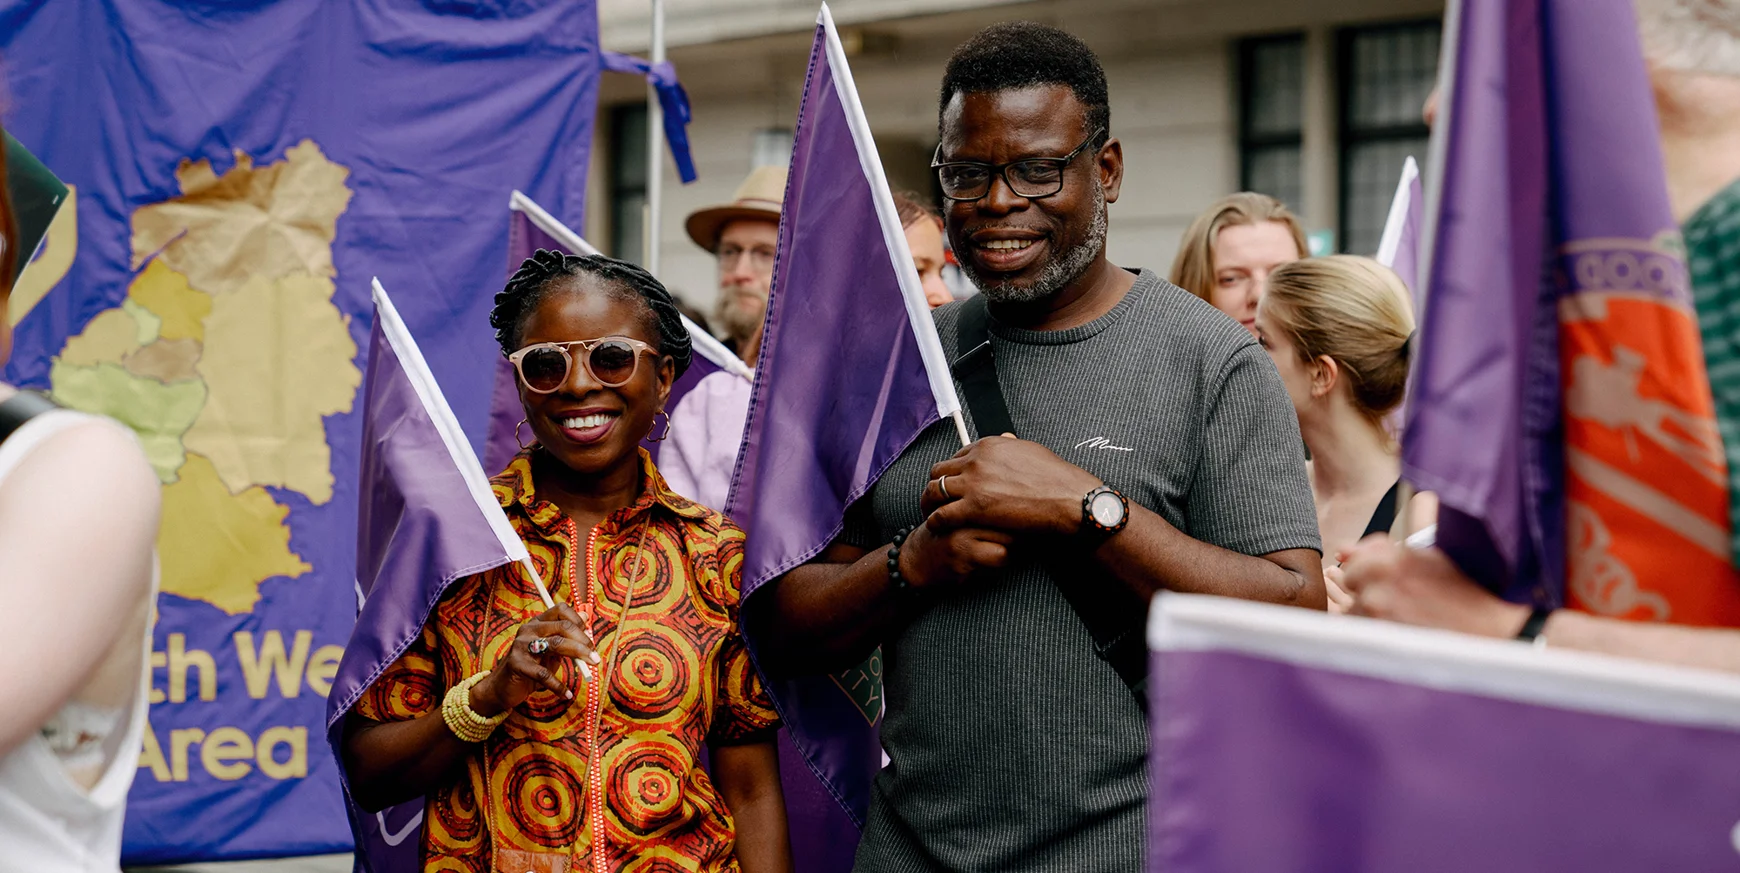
1337 328
570 739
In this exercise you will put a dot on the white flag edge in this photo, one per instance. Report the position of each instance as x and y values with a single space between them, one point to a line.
1446 660
452 435
930 350
703 342
1391 240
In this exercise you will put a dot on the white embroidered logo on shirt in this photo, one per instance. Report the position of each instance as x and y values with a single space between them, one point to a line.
1101 443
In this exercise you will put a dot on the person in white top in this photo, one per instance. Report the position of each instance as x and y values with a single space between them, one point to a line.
79 510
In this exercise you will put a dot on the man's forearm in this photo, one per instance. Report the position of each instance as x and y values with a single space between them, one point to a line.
1149 555
822 617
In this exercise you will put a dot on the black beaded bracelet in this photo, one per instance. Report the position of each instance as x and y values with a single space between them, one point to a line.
894 560
1536 623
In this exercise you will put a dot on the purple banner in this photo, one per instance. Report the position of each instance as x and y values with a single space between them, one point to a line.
1291 741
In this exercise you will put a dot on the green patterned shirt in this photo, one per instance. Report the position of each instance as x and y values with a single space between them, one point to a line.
1713 253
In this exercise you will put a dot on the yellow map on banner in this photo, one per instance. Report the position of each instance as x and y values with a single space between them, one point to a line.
225 357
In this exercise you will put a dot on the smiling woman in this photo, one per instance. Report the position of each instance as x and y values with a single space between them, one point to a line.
489 715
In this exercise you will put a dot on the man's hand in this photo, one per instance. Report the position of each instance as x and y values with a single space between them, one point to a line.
931 559
1007 484
1422 587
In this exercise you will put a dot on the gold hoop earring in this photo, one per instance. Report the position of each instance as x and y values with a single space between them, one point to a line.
523 446
663 436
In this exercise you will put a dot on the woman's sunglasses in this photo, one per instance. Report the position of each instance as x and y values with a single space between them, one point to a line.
611 361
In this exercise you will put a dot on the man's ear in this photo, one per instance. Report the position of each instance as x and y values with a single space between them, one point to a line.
1111 169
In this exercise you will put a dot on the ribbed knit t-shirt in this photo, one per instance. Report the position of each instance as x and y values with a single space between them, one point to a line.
1012 746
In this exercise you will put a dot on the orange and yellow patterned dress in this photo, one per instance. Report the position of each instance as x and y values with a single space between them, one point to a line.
676 675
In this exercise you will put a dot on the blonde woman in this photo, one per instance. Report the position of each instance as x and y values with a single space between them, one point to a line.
1337 329
1229 250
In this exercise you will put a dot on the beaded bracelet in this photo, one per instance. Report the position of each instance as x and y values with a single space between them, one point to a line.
464 721
900 585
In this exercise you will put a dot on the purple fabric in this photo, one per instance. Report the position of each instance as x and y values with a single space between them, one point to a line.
840 391
1262 765
418 530
1551 139
505 410
672 99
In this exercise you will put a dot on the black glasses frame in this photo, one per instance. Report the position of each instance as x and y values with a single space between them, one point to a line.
993 171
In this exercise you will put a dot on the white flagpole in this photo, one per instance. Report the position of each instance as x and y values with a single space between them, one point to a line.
655 138
705 345
453 437
936 365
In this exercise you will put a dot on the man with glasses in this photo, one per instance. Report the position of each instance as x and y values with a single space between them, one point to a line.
1006 583
744 236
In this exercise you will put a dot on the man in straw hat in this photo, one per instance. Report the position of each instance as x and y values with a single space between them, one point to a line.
708 424
743 235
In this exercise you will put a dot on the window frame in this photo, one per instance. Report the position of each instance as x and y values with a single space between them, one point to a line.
1250 141
617 189
1348 138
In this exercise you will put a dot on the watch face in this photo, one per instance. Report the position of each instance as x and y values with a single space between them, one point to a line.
1107 509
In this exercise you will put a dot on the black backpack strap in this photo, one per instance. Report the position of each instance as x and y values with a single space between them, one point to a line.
976 369
1115 628
22 407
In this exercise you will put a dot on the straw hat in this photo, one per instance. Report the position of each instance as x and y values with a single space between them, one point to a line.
758 197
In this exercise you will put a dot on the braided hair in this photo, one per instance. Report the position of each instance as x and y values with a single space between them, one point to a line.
543 273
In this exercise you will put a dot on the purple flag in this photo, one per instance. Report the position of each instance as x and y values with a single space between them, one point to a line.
531 228
851 372
425 517
1399 248
1290 740
1548 200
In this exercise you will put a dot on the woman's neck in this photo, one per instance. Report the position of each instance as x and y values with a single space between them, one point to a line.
588 498
1349 453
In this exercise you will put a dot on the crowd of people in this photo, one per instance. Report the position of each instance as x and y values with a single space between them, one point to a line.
1229 430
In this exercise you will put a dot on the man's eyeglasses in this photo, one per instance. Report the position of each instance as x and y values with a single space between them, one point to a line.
966 181
611 361
759 258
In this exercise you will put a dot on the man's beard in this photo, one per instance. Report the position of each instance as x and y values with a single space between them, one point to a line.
1057 273
739 315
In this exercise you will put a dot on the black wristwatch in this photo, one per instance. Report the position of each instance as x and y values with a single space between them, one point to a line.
1104 510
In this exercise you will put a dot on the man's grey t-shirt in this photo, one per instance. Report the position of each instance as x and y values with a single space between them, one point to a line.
1012 745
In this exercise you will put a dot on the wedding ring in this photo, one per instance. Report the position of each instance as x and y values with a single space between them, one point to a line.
538 646
943 483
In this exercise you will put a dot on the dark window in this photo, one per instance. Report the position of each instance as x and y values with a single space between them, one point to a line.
628 181
1385 72
1271 120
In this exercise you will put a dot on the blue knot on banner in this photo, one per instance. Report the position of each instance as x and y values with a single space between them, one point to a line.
672 99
